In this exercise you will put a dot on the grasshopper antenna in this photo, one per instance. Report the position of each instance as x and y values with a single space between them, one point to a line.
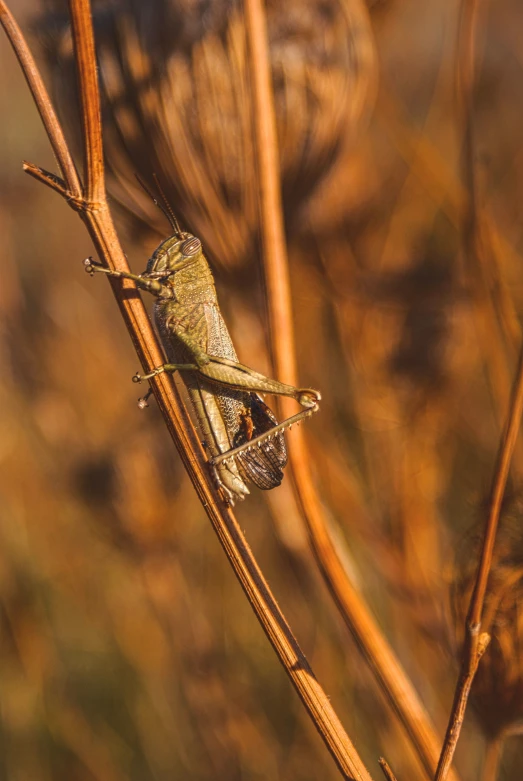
164 206
173 220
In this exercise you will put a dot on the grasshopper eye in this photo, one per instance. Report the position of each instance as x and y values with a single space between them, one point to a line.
191 247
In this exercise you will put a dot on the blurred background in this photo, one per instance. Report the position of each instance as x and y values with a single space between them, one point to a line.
128 650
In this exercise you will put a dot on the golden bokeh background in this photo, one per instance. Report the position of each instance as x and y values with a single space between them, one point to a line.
128 648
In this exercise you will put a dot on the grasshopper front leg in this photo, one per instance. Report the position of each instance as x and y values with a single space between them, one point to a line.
150 285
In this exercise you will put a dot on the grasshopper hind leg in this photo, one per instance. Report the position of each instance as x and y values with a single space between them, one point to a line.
268 442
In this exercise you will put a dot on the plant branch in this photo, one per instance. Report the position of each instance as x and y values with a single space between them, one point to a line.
474 648
388 671
85 58
95 213
46 177
498 490
476 642
43 104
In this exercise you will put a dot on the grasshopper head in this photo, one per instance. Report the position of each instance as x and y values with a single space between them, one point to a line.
172 255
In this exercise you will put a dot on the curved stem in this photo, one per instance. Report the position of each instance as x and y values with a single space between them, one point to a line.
474 644
475 641
373 645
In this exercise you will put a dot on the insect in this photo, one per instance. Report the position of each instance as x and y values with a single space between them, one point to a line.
241 435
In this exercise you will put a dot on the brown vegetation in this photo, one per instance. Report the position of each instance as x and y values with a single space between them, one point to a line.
128 651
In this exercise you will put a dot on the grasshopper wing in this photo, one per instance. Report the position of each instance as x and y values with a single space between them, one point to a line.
264 464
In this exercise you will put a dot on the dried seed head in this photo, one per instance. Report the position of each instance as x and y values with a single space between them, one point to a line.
497 691
176 84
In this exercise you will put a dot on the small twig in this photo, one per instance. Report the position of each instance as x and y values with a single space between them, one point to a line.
95 213
78 203
387 771
475 647
378 653
46 177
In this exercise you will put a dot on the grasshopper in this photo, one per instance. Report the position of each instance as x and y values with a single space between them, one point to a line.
240 433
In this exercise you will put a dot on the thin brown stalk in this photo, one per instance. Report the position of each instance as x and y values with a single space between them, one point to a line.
387 770
475 641
92 204
45 109
46 177
376 650
475 647
85 58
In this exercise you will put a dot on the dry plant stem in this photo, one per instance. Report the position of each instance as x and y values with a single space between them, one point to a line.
475 642
95 213
43 104
85 59
46 177
380 657
475 647
387 770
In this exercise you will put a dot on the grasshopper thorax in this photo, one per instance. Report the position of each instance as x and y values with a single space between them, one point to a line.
172 255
